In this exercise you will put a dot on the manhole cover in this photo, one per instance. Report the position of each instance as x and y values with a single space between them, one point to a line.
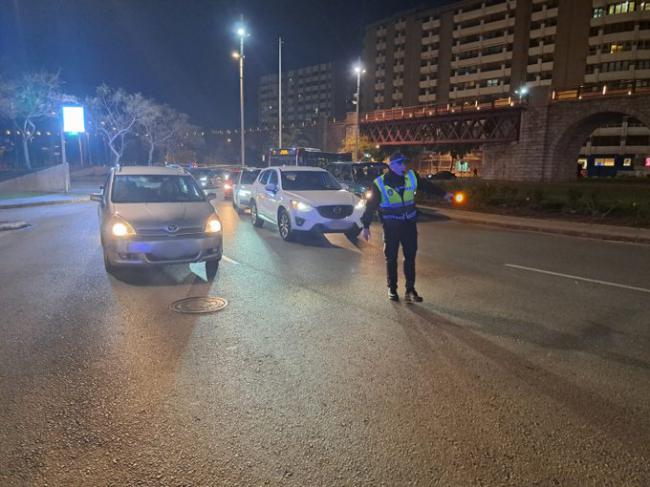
200 305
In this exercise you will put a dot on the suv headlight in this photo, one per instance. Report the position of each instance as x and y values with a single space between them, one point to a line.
361 204
121 228
300 206
213 225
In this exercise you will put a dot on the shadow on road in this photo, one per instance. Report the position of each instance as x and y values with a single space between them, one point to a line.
176 275
594 409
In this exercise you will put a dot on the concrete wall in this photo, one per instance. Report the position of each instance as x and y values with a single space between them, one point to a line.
55 179
89 171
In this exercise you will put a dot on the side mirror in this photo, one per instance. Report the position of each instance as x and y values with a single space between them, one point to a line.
272 188
99 197
212 196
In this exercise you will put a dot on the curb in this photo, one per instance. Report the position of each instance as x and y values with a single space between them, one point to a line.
13 226
43 203
534 228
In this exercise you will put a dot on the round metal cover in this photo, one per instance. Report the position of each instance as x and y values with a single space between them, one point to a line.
199 305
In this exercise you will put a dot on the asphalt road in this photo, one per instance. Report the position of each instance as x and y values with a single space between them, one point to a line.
311 377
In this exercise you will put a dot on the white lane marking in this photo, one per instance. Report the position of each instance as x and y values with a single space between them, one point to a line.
578 278
228 259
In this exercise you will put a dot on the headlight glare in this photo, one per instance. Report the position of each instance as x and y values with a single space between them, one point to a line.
213 225
122 229
300 206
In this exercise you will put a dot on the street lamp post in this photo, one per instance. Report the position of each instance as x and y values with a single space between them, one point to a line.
241 32
358 70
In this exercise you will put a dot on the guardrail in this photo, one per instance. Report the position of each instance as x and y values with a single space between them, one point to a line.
422 111
590 94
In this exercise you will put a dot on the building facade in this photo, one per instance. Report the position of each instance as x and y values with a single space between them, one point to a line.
308 94
481 50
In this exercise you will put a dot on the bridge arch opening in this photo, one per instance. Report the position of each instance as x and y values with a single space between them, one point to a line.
602 144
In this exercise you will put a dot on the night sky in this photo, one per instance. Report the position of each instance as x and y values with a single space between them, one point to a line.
179 51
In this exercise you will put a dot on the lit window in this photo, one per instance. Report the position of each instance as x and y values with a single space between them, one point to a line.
627 162
598 13
605 162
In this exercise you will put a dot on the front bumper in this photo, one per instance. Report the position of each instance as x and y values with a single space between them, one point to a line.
312 221
162 251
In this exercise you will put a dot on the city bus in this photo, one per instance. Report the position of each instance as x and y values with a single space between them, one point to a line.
304 156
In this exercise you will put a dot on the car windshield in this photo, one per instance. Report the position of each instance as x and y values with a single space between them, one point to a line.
249 177
201 173
309 181
155 189
367 172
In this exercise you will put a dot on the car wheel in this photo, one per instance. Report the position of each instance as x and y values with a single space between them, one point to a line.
255 217
284 225
211 268
353 235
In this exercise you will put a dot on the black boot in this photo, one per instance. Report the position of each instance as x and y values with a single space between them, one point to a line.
392 295
412 296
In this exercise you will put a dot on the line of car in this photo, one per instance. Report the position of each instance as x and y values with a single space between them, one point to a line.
152 216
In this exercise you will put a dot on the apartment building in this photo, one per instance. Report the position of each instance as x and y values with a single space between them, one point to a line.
308 93
480 50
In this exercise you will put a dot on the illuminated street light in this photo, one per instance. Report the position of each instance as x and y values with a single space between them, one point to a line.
358 70
242 34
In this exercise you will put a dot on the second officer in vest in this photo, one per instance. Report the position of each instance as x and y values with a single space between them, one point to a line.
394 195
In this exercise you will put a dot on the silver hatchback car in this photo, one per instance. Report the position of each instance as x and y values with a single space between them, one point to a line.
152 216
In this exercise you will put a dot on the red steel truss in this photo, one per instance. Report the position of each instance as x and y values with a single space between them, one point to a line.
476 124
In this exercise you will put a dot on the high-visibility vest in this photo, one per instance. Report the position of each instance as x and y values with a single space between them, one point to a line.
396 207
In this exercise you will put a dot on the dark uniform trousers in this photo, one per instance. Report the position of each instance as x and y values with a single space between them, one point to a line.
396 233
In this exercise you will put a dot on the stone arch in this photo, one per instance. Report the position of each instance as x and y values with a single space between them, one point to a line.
569 128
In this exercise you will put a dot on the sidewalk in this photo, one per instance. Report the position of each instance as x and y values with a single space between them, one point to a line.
563 227
44 199
80 191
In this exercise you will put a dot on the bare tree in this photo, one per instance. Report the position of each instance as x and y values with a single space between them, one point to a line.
160 123
116 114
185 140
28 100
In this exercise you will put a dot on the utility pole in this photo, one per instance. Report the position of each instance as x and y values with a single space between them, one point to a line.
241 95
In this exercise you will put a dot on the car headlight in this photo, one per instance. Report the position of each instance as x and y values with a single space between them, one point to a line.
203 178
122 228
227 186
361 204
368 194
213 225
244 192
300 206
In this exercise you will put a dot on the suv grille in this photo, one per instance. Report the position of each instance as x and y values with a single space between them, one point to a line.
335 212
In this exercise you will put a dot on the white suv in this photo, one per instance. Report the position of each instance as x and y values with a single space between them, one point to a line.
304 199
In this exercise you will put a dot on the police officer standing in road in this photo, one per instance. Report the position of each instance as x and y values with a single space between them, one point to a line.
393 194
